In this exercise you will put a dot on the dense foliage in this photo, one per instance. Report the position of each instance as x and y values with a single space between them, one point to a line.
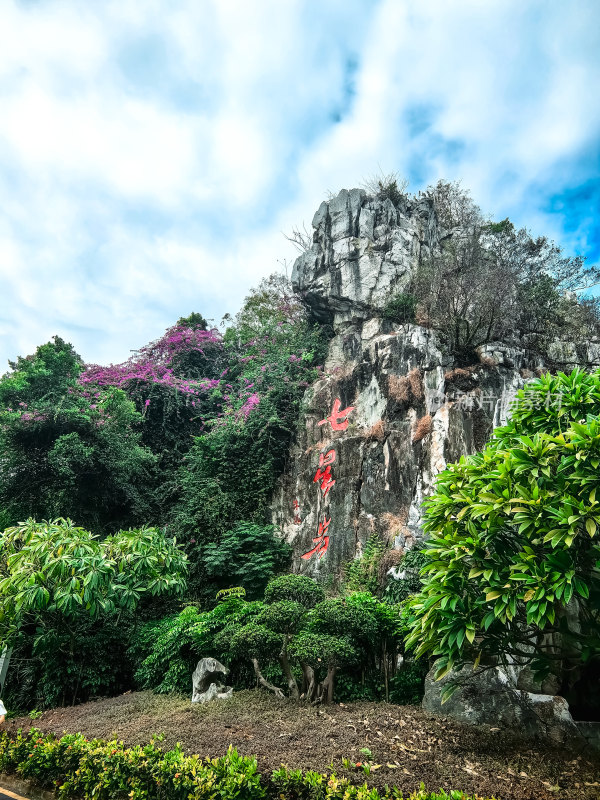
165 652
229 474
189 436
513 560
75 767
190 433
69 450
64 593
295 638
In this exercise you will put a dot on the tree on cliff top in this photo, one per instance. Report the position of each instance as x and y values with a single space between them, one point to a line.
489 281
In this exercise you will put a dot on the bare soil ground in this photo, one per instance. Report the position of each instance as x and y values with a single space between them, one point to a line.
410 745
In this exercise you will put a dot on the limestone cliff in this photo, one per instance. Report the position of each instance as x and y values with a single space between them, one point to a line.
390 410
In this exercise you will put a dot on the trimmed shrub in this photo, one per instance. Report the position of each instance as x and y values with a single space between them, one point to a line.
75 767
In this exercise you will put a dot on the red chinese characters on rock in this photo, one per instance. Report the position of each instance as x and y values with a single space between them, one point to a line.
338 419
321 541
323 474
297 517
339 416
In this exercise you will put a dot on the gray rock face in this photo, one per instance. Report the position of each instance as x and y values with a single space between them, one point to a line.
390 411
409 415
491 698
363 251
206 681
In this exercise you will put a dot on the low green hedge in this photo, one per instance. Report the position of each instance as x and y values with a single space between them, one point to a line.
76 767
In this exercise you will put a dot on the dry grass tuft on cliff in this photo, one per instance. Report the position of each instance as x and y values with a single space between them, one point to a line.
376 432
423 428
458 374
399 388
488 362
415 381
395 523
389 559
406 389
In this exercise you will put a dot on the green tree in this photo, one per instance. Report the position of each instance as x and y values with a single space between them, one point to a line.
512 569
273 352
489 281
69 450
248 555
164 652
44 376
295 588
268 637
59 585
317 650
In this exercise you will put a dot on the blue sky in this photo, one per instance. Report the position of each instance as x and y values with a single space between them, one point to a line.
153 153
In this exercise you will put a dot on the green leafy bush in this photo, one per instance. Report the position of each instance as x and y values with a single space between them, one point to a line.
75 767
401 308
248 556
363 574
513 558
407 685
273 351
297 588
64 594
165 652
399 589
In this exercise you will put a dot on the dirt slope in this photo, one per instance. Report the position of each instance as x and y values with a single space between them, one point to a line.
410 745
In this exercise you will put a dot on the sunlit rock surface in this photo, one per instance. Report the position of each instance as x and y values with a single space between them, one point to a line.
403 411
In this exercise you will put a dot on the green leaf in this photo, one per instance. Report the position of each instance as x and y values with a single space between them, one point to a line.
492 595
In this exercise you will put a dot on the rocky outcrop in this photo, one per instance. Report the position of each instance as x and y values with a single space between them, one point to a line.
364 250
390 410
406 414
207 681
491 697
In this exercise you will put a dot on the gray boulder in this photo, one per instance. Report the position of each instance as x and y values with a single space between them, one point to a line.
207 683
488 696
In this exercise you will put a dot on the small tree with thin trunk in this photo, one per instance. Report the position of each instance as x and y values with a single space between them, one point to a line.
318 650
287 618
267 638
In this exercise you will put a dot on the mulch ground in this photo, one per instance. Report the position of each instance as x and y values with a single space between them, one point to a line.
410 745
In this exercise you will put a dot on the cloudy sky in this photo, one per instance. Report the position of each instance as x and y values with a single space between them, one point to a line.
152 153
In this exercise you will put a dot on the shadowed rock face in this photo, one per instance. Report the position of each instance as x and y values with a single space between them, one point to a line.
410 415
410 412
491 697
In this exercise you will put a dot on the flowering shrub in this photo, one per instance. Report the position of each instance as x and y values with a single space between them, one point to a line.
76 767
180 350
230 471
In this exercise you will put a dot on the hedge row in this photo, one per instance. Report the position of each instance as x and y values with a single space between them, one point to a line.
76 767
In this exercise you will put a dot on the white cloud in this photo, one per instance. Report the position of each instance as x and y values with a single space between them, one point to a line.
151 155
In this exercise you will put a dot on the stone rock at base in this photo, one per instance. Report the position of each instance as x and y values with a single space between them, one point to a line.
489 697
207 681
